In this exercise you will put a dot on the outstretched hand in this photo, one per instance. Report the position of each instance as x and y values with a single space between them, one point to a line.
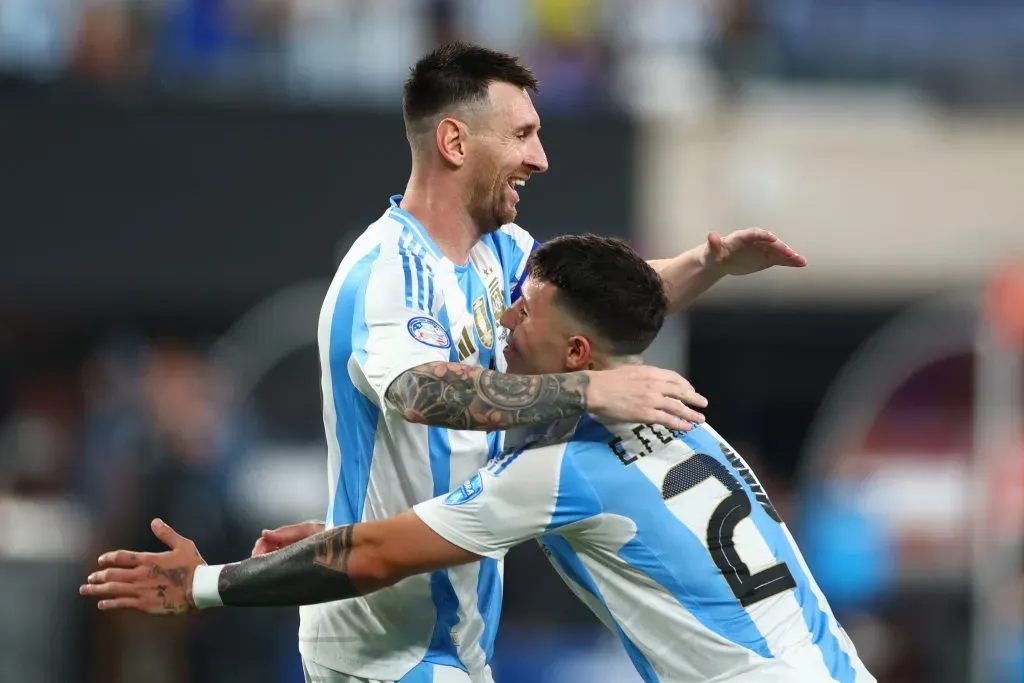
749 251
154 583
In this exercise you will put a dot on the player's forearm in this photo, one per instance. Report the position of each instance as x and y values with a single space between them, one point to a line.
463 397
331 565
686 277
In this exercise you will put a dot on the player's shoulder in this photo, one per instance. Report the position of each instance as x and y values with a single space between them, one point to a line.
515 231
511 236
402 242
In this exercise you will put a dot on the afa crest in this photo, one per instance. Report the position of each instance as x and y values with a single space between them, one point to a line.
497 296
482 321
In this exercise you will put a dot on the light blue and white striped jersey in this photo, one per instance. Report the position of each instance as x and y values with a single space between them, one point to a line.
396 303
671 541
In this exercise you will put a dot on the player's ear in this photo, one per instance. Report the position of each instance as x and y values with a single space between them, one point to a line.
578 354
451 136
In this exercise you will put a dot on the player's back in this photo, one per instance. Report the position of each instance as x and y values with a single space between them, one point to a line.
677 548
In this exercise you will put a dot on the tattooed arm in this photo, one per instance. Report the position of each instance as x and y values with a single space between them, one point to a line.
464 397
339 563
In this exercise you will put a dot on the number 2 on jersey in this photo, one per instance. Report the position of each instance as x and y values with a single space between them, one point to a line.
733 509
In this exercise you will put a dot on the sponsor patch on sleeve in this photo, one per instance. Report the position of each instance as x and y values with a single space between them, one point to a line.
469 490
428 331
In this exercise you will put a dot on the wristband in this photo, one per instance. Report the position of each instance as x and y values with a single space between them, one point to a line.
204 586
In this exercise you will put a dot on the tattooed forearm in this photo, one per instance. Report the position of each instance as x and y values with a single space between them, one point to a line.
463 397
332 550
308 572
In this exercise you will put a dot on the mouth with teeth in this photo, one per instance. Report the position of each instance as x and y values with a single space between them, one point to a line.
514 183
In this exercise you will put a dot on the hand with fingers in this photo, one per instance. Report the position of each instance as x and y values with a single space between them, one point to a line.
154 583
640 393
275 539
749 251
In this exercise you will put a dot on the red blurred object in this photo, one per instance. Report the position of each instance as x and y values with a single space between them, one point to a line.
1004 303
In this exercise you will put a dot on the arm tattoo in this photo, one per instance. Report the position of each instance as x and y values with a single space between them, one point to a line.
305 573
463 397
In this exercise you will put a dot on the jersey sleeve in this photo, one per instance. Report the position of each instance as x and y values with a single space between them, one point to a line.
403 323
516 245
512 500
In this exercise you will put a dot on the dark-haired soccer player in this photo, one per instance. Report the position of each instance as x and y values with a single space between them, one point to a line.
667 536
415 394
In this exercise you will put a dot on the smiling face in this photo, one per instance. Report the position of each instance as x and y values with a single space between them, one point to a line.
542 337
506 150
588 302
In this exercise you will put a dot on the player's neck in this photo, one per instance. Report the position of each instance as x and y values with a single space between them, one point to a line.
445 220
613 362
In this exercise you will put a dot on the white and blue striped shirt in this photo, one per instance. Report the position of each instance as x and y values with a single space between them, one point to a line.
396 302
671 541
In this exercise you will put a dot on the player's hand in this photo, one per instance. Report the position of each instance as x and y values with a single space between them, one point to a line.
154 583
275 539
640 393
748 251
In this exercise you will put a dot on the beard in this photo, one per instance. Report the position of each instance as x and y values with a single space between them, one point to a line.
489 204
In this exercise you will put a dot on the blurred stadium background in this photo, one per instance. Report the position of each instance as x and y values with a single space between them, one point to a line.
178 181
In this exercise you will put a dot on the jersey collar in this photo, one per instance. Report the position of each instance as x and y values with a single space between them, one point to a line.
409 221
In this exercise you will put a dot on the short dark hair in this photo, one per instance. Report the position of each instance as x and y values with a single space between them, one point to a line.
606 285
456 74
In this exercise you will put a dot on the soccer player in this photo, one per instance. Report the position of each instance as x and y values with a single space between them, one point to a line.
666 535
411 353
412 358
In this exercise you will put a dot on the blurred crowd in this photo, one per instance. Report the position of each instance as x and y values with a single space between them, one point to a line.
587 52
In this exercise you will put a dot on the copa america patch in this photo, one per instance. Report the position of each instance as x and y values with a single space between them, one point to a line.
429 332
467 492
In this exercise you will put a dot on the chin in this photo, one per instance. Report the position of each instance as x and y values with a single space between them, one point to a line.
505 215
503 219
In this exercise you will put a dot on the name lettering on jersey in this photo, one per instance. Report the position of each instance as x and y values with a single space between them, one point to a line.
744 471
484 329
641 432
465 346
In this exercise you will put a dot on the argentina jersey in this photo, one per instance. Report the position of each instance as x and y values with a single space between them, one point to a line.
396 303
671 541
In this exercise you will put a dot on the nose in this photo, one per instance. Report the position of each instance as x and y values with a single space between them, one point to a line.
510 316
537 158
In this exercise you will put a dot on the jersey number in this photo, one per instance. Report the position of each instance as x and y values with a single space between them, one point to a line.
748 588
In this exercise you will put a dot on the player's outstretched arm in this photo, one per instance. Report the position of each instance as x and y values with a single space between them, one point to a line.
742 252
463 397
335 564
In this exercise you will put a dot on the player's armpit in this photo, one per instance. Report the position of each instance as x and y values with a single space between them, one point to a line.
458 396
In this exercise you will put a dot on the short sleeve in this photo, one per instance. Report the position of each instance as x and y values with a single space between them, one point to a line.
512 500
402 324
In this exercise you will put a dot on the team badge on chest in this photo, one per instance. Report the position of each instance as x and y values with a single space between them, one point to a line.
497 295
484 330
